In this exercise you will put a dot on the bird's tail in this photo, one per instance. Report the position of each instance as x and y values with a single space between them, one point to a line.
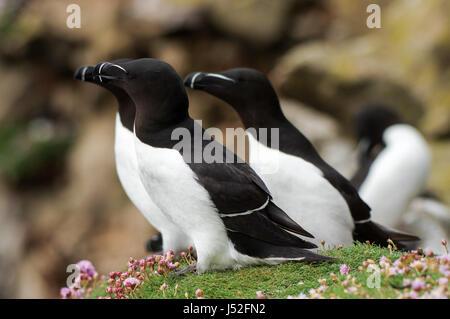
279 217
261 249
378 234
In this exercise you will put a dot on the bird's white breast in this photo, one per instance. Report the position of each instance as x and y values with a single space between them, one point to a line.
397 175
174 188
127 170
299 188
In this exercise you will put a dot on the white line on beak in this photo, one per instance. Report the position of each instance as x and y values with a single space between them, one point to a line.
100 70
193 79
83 73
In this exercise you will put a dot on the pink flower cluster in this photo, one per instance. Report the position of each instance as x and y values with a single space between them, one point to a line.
124 285
424 276
424 270
84 283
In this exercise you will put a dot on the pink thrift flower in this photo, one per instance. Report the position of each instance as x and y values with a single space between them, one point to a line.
65 293
163 286
392 272
384 262
413 295
442 281
79 293
131 282
344 269
419 265
418 284
444 269
322 288
199 293
352 290
171 266
429 252
445 259
86 267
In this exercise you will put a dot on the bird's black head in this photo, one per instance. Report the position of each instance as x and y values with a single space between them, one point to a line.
370 122
126 104
248 91
154 86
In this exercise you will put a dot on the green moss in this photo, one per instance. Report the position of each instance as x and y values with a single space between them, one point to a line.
277 281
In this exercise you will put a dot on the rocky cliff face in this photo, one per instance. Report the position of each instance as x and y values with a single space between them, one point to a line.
60 200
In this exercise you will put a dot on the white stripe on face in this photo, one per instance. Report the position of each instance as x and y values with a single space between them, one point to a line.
109 64
118 66
212 75
220 76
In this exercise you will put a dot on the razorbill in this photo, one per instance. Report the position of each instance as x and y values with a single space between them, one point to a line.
394 162
303 184
223 206
126 164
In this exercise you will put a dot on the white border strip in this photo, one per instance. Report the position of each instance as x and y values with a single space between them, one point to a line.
247 212
362 221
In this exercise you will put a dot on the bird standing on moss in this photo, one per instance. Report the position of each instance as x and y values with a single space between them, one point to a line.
224 208
303 184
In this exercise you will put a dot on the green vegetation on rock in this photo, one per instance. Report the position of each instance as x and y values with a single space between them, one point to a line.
354 274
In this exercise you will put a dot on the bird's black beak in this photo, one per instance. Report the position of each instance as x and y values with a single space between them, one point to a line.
200 80
84 73
106 71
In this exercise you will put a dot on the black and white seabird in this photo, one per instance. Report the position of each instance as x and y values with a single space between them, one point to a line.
225 208
394 162
126 163
303 184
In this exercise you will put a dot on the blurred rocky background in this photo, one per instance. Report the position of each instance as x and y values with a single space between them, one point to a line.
60 199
